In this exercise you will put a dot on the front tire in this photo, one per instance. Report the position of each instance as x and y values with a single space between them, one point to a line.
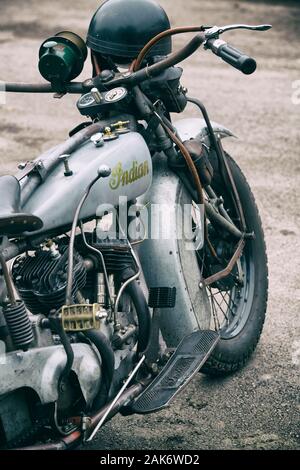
240 335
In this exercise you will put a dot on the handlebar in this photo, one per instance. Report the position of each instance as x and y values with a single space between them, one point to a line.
231 55
210 39
126 79
76 88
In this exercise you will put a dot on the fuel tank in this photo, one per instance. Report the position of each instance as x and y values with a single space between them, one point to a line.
56 198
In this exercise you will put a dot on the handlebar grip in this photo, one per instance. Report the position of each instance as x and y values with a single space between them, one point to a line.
232 56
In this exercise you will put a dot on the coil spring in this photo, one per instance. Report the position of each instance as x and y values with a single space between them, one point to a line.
18 324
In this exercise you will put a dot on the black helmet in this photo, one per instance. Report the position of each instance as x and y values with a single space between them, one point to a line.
121 28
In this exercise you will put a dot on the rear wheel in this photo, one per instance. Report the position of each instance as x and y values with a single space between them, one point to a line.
238 302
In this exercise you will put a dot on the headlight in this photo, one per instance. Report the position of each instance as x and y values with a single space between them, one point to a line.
61 58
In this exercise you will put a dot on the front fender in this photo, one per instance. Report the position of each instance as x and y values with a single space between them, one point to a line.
195 128
165 259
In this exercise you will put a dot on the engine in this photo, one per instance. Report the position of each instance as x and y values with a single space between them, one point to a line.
103 353
41 278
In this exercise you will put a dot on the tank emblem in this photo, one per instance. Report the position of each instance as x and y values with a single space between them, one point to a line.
120 177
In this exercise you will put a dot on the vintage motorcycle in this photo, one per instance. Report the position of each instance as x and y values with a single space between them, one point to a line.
95 321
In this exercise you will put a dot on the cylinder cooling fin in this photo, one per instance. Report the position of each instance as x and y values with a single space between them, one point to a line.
41 278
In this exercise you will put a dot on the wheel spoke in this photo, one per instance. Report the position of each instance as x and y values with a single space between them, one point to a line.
214 312
219 302
224 299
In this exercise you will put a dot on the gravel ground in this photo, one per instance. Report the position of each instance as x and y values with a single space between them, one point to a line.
257 408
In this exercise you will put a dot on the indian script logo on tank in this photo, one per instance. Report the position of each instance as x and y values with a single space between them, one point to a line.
120 177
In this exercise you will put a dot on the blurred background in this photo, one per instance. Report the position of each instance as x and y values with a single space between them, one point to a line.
257 408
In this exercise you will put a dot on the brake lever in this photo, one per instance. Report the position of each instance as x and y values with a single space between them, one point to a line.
215 31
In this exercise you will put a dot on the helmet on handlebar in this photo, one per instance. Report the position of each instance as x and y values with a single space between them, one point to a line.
121 28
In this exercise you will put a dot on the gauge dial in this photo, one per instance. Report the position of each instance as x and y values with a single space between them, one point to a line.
86 100
116 94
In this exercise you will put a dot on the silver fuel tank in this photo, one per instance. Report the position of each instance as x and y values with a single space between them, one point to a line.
55 200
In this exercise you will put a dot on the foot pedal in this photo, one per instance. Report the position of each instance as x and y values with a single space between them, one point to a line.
190 355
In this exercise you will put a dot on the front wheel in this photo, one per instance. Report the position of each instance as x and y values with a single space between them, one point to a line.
238 302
